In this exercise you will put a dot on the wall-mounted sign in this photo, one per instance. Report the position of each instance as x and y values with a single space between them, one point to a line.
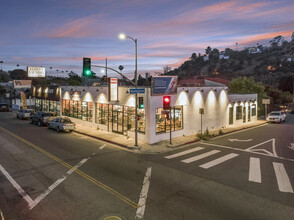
201 111
20 84
164 85
113 89
36 71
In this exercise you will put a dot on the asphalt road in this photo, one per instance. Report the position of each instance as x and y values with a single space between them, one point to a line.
245 175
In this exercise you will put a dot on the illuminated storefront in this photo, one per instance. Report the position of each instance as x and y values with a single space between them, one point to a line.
90 106
47 99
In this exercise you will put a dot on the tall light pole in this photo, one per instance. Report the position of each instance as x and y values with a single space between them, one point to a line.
123 36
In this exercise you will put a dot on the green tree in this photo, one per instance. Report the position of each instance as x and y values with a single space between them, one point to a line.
74 79
4 77
276 41
18 74
244 85
193 56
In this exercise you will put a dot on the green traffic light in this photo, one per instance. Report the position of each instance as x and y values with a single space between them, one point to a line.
141 106
88 72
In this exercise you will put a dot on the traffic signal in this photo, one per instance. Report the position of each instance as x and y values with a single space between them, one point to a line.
166 116
87 67
141 103
166 102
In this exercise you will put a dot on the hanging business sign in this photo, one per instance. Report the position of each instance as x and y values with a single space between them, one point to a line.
113 89
23 100
36 71
162 85
22 84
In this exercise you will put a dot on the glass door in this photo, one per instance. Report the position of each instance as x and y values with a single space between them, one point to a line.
231 111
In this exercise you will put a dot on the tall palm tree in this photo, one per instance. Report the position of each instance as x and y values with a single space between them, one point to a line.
17 66
1 62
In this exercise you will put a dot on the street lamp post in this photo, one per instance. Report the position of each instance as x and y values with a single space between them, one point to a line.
123 36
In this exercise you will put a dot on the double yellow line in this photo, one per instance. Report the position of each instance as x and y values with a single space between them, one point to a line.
96 182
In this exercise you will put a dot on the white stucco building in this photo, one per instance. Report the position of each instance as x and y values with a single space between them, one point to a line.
90 106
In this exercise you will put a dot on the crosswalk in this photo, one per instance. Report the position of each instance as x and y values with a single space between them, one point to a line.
189 157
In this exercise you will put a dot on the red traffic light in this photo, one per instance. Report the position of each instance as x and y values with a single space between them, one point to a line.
166 102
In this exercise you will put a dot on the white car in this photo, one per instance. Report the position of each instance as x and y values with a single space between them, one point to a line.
24 113
62 124
276 116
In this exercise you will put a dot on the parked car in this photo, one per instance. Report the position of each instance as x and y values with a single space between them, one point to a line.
4 107
42 118
276 116
62 124
24 113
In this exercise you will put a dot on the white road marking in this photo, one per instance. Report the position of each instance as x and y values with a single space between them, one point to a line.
17 187
254 170
104 145
56 183
218 161
282 178
269 153
143 195
184 152
232 140
201 156
237 149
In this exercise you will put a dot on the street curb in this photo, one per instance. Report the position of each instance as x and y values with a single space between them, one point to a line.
102 139
168 145
191 142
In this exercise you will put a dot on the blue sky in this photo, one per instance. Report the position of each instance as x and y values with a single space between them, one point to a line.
59 33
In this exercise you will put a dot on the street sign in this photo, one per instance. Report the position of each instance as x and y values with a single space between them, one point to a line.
266 101
164 112
201 111
134 91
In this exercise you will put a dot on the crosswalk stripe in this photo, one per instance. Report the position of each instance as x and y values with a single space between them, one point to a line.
218 161
184 152
284 183
198 157
254 170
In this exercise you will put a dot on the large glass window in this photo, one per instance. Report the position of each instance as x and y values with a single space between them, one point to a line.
253 107
87 109
238 112
120 118
102 111
163 124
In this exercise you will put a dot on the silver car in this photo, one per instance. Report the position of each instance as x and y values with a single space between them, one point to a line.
24 113
62 124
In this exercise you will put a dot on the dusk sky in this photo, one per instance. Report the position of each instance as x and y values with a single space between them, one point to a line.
59 33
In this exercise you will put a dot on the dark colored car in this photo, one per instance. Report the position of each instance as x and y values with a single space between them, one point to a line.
42 118
4 107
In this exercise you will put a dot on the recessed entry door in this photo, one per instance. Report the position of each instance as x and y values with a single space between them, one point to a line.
117 122
231 114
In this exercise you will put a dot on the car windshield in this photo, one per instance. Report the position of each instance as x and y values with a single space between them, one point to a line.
65 120
275 113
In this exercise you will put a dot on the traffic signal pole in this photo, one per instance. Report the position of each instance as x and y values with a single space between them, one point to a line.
170 127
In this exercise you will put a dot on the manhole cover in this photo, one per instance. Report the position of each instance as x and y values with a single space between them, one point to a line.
112 218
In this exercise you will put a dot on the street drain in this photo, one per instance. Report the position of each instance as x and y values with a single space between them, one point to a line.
112 218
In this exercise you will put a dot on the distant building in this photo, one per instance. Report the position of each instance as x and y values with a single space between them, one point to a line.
254 50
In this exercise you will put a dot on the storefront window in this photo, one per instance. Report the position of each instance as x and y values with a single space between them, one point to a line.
238 112
253 107
87 108
102 113
163 124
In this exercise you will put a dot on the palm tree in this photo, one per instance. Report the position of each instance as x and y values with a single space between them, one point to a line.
17 65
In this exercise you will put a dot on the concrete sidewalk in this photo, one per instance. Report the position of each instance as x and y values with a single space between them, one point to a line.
160 147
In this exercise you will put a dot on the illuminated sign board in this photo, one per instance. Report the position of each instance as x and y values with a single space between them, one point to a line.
162 85
20 84
113 89
36 71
